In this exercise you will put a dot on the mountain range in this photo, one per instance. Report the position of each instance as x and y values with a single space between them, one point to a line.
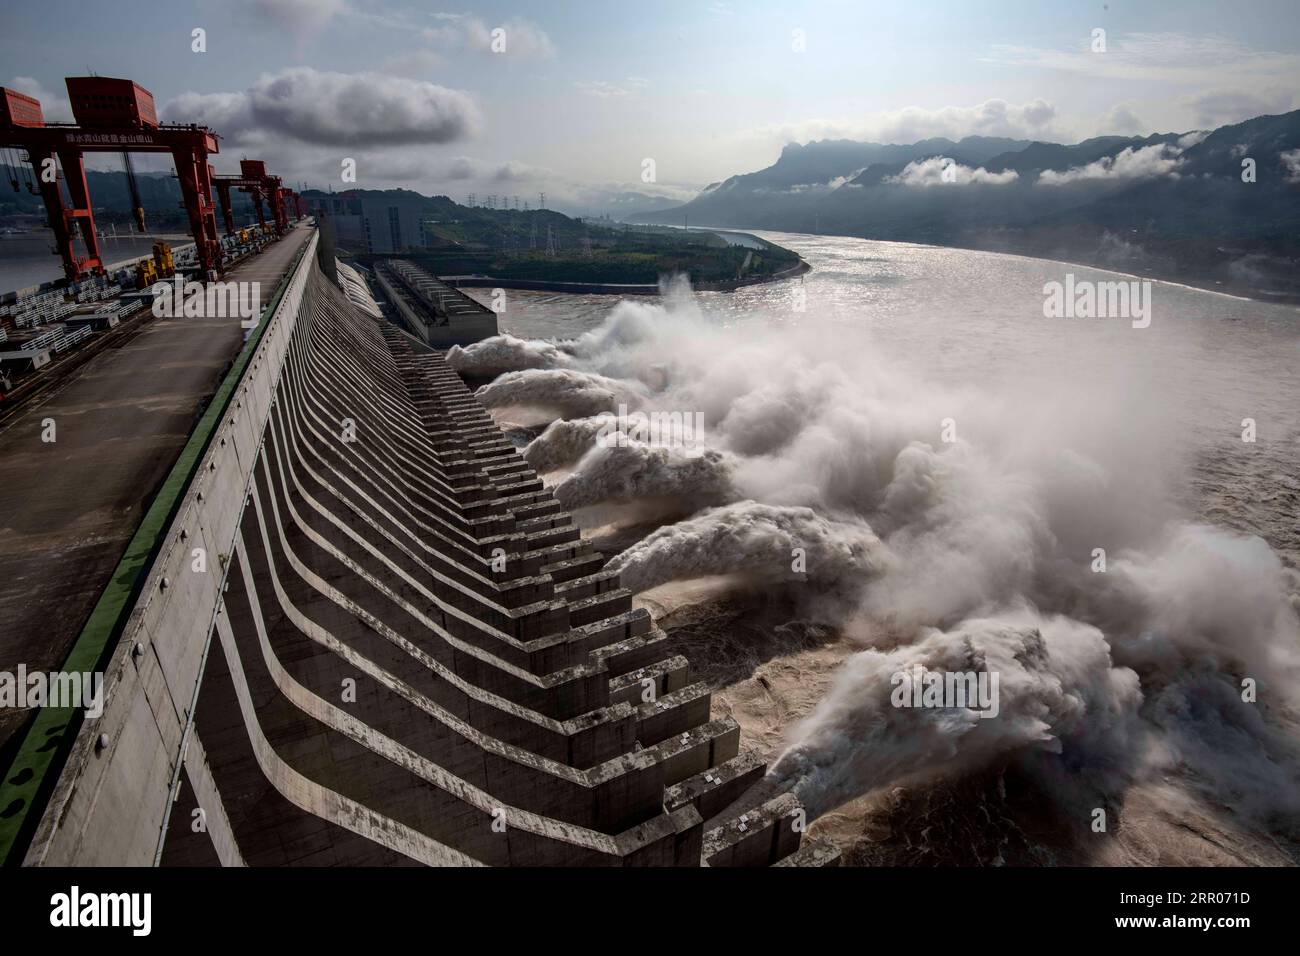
1217 208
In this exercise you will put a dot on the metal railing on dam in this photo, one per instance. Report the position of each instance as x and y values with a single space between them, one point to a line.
397 649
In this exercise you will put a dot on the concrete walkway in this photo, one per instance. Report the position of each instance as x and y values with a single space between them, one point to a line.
68 508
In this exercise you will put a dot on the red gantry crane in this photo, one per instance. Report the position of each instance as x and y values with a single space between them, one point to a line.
261 186
255 180
251 179
276 192
112 116
294 202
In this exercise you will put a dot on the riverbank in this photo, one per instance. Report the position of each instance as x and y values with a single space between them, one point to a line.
616 288
602 261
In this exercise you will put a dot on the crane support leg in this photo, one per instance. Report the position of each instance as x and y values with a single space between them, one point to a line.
227 214
54 210
80 215
196 188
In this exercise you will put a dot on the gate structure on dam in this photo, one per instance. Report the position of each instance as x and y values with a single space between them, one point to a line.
433 311
397 649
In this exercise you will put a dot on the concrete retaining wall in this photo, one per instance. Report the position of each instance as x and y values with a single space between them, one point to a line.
612 288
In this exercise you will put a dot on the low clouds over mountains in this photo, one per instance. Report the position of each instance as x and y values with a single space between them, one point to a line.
1189 205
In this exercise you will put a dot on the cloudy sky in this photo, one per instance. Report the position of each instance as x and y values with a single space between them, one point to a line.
584 92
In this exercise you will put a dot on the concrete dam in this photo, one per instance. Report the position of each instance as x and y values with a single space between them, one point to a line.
369 635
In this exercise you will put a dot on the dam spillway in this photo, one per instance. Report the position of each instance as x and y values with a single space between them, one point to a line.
399 650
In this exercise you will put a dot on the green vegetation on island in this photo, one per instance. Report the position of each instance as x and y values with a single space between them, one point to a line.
544 245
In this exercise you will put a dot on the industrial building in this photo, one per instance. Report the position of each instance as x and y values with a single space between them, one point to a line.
390 223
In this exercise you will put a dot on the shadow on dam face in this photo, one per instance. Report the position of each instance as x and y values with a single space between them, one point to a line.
403 651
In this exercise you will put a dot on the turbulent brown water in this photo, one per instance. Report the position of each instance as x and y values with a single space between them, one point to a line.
947 460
